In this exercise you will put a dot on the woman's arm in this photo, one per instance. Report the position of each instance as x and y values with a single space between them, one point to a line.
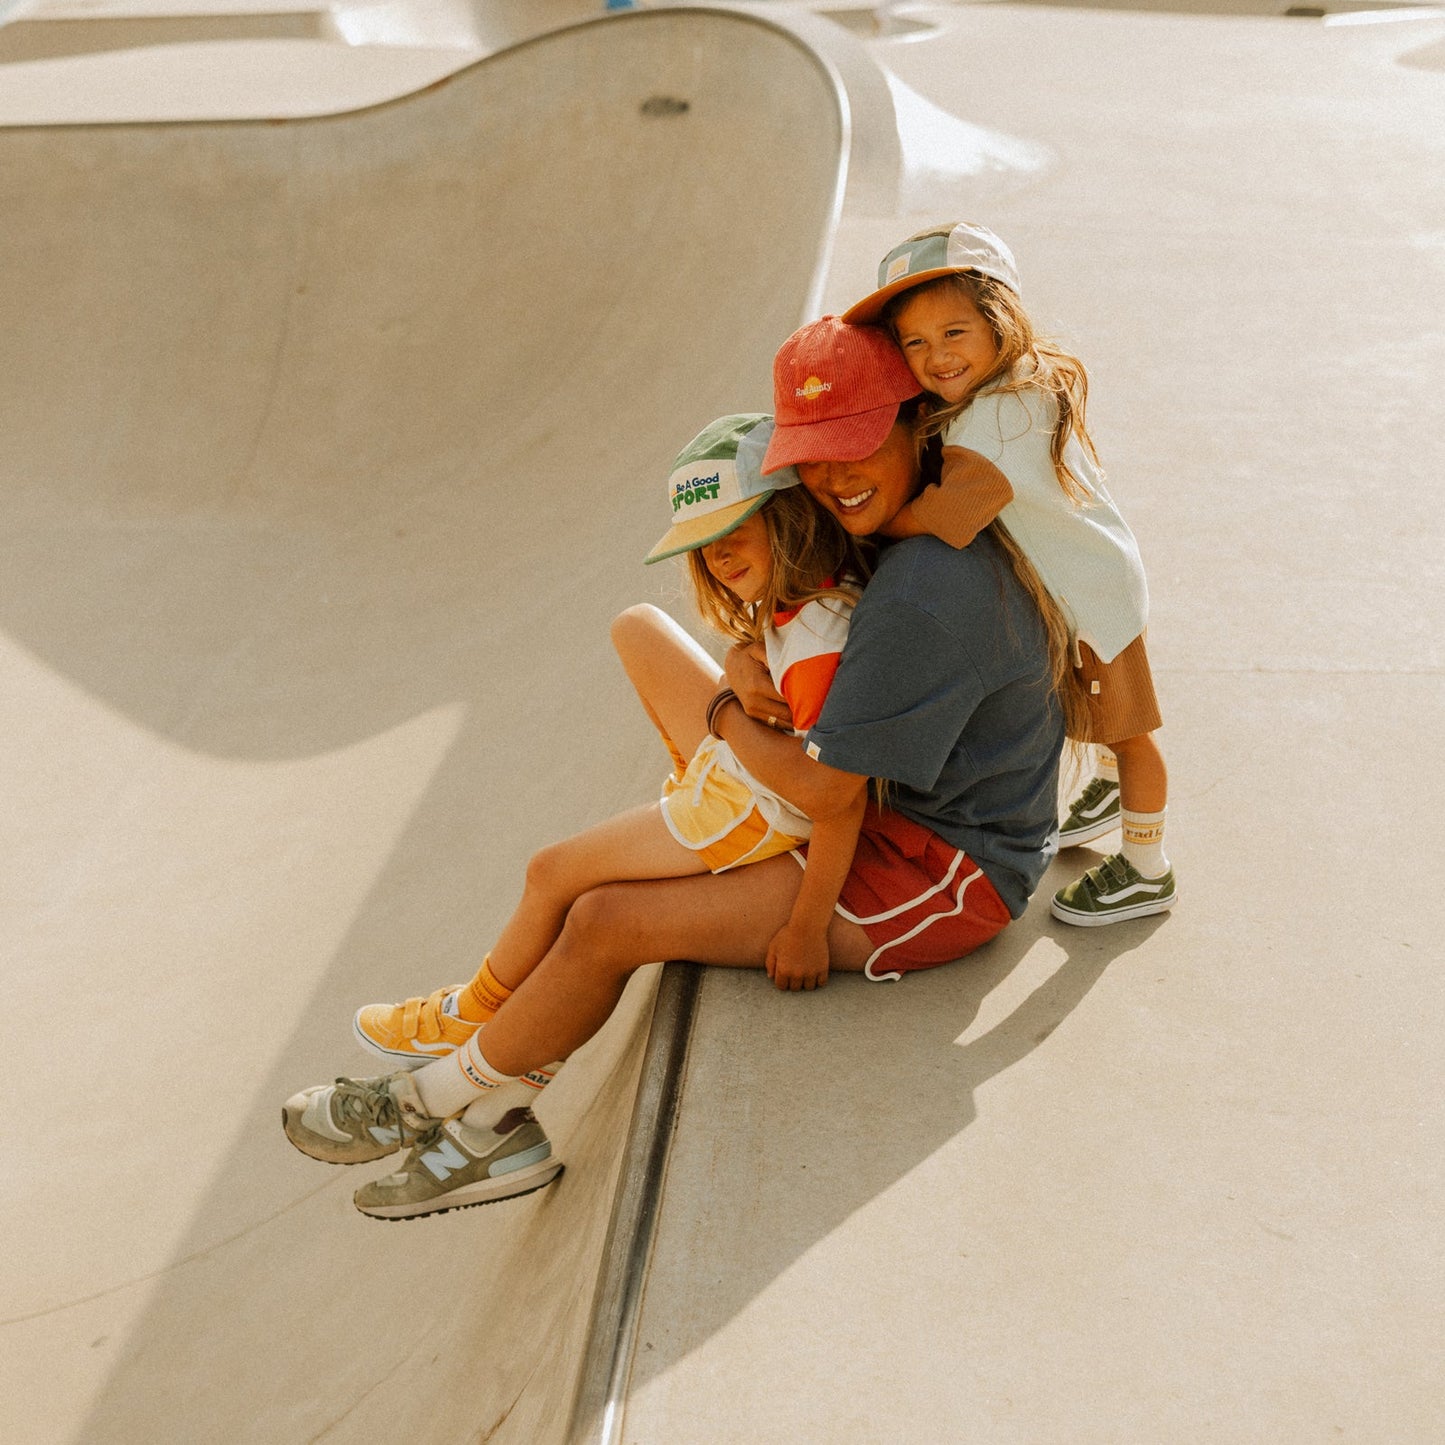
798 954
834 800
745 670
775 758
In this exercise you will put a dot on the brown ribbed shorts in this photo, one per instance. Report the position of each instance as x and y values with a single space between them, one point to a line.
1121 696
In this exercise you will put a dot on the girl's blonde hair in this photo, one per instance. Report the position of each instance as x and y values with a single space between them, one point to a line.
811 555
1048 367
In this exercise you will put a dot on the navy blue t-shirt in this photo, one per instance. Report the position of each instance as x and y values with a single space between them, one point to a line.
943 688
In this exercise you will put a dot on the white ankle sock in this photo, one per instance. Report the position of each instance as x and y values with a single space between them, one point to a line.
449 1084
1144 842
488 1110
1106 765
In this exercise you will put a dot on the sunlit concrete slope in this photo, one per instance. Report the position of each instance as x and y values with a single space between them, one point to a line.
64 61
327 450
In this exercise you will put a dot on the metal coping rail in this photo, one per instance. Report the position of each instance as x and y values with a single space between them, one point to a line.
598 1404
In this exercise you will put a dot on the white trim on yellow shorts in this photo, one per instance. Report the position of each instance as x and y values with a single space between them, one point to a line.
713 812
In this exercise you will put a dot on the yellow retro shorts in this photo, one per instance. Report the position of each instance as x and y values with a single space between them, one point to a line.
716 814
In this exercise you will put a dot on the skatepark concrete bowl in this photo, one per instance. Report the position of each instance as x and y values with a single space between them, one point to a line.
335 446
330 441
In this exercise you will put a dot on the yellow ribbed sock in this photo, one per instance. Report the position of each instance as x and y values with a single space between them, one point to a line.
483 996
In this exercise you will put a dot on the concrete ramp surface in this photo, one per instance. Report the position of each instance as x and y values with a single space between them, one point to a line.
327 450
329 446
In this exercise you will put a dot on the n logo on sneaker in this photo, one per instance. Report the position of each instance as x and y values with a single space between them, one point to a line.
441 1161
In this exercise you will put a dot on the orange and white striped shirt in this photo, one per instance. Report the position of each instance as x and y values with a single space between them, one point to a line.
803 648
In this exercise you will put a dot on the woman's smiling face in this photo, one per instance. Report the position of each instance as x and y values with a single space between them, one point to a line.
866 495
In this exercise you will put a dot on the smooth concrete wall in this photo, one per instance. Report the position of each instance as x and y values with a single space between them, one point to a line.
327 451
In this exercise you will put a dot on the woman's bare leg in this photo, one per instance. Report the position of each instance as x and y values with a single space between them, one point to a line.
635 844
674 677
610 932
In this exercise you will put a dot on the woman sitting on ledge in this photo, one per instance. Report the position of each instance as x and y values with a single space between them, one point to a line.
948 690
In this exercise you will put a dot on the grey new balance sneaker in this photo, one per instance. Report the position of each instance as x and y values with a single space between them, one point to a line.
453 1166
1112 892
355 1120
1093 813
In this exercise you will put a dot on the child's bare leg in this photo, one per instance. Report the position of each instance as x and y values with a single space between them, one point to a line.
636 844
674 677
1109 893
1143 794
1143 777
675 680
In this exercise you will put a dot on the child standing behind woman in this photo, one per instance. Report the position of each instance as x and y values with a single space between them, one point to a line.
770 568
1009 406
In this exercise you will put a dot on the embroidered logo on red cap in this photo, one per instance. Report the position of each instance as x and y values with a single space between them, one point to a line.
812 388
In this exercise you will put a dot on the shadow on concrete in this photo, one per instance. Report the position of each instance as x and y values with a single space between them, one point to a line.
336 446
878 1080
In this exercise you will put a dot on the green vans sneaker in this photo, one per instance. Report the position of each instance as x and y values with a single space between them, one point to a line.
454 1166
355 1120
1094 812
1112 892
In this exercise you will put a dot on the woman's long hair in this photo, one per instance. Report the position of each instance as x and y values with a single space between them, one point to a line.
1064 679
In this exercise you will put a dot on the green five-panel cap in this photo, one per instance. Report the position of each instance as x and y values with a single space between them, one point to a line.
717 483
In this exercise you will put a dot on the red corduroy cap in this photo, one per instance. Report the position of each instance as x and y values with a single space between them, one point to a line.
836 390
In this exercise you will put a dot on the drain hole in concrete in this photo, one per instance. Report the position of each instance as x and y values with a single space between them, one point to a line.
664 105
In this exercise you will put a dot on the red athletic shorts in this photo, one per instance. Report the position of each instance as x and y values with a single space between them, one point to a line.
920 900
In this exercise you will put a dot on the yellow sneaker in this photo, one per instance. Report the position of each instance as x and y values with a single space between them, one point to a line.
413 1032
